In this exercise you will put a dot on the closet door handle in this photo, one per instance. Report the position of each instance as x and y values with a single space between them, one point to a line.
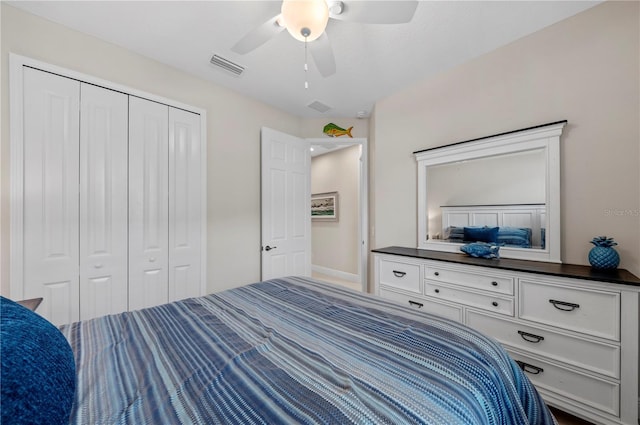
531 337
397 273
152 259
417 304
564 306
529 368
98 266
269 248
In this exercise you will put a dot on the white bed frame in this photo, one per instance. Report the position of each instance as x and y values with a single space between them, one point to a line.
532 216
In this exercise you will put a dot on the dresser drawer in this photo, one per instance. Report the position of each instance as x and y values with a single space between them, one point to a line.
477 279
578 309
501 305
596 357
401 275
433 307
589 390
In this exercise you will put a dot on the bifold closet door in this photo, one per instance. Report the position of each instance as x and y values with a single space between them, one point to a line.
50 194
103 201
148 203
184 205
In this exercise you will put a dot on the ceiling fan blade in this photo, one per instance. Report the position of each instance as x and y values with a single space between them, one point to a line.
258 36
374 12
322 54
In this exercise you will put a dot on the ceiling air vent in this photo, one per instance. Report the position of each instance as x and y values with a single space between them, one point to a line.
227 65
319 106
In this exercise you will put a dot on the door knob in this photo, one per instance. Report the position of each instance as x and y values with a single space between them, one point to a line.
269 248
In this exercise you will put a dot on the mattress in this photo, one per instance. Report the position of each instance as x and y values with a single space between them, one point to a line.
294 350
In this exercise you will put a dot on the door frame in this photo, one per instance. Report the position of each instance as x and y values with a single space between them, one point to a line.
363 188
16 158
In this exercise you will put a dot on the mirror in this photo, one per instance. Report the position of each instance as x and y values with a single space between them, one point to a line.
501 189
510 193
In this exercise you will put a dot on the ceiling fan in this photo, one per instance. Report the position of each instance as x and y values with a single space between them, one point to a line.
306 21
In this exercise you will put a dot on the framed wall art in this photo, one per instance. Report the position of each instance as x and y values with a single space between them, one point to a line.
324 206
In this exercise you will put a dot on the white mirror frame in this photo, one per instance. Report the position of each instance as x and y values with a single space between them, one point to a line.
545 137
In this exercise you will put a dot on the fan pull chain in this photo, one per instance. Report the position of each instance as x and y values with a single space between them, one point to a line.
306 67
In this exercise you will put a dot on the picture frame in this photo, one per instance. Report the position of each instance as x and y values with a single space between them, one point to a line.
324 206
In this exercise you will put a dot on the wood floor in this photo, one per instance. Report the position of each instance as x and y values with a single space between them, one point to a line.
567 419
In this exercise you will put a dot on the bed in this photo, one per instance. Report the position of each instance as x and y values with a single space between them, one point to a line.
293 350
515 225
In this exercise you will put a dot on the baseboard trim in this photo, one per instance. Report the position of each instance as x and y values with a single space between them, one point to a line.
350 277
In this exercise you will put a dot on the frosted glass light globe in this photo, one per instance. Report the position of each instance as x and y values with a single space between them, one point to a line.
305 17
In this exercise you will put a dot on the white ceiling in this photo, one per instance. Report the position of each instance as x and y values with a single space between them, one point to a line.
372 61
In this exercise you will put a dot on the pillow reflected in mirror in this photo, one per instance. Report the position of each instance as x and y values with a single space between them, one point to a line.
515 236
481 234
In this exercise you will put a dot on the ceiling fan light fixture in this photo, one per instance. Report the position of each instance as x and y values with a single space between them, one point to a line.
305 17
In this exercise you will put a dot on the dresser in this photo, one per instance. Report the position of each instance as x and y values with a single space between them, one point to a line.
574 331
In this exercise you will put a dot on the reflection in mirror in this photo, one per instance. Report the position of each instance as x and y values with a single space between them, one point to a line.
502 189
505 191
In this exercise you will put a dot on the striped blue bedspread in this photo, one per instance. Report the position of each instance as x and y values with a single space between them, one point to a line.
293 350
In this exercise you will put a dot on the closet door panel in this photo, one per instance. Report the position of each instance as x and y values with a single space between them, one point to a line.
148 203
103 201
51 122
152 288
185 278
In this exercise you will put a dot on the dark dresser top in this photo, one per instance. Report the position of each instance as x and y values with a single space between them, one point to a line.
563 270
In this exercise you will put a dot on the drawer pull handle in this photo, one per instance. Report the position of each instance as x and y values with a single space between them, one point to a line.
398 273
531 337
437 291
529 368
494 283
564 306
495 303
436 273
419 305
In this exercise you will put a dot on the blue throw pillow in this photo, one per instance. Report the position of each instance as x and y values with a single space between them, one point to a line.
38 369
515 236
481 234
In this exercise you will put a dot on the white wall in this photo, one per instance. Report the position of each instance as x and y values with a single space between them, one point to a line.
334 244
233 136
584 69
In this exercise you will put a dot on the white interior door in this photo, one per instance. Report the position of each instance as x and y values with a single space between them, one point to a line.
50 194
286 203
148 203
103 201
185 184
